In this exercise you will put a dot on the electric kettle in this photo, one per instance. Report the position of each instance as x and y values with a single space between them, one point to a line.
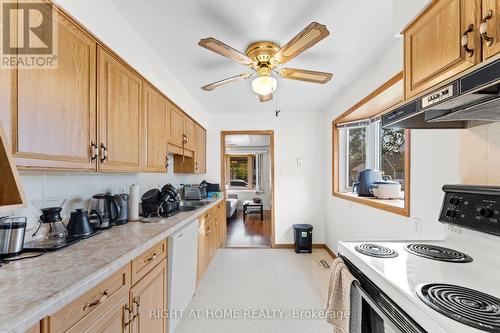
104 210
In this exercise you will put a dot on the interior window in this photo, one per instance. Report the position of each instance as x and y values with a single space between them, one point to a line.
392 154
356 153
238 171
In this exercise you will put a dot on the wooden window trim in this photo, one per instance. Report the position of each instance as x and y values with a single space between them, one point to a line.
375 203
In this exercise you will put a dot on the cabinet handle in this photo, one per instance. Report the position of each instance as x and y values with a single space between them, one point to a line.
483 29
153 257
137 304
167 164
94 151
104 153
196 166
104 296
465 41
209 231
128 313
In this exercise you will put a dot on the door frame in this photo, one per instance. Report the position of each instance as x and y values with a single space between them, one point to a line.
223 135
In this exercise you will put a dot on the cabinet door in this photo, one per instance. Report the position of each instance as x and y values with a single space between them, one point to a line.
55 121
201 150
115 320
433 50
176 126
149 297
121 124
157 120
202 247
491 9
189 132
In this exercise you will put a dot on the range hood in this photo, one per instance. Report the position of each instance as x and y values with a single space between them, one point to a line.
475 96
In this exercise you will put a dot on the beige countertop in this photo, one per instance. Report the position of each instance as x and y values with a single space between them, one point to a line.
34 288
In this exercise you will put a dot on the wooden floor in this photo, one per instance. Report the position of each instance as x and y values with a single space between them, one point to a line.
251 233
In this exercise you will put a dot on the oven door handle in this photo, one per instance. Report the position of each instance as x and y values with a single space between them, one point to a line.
375 306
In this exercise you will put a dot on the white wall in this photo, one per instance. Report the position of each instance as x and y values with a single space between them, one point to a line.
105 22
298 189
434 162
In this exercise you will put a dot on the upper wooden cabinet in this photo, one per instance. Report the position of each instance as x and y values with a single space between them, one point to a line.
54 123
157 114
200 155
189 134
433 43
490 27
176 126
120 118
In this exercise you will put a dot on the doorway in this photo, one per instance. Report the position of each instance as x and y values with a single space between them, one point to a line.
247 173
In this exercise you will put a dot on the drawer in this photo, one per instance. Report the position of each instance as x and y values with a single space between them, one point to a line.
148 260
98 300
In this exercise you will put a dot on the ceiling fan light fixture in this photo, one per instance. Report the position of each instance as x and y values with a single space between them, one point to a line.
264 85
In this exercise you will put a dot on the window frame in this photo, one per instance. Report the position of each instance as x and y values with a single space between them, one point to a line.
387 96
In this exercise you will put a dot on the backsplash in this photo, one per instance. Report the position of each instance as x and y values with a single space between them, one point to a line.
480 155
78 187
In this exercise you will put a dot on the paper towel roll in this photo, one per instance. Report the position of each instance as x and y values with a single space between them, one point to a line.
133 208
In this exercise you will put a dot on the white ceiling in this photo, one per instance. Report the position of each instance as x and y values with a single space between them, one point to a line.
360 30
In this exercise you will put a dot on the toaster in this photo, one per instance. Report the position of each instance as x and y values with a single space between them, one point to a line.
194 192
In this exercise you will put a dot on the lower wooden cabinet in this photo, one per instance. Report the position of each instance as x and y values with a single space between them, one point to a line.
211 233
120 303
148 299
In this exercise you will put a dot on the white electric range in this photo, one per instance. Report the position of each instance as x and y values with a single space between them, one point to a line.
451 285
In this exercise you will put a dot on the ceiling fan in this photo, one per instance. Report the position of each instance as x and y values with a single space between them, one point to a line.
265 58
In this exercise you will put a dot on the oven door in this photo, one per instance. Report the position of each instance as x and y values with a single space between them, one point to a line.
379 313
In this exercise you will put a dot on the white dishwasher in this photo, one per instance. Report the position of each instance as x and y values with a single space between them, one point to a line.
182 270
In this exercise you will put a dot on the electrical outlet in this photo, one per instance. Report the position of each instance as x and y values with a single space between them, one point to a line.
417 225
454 229
299 161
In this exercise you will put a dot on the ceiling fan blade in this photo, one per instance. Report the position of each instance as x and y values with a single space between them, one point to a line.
212 86
308 37
305 75
266 98
227 51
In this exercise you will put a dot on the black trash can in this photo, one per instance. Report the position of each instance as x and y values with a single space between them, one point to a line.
302 236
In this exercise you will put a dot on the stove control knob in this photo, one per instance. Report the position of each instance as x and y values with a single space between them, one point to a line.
486 212
451 213
455 201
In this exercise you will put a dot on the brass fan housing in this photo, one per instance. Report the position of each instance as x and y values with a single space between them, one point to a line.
262 52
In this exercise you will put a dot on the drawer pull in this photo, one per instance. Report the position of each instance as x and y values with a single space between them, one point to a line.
104 296
483 28
153 257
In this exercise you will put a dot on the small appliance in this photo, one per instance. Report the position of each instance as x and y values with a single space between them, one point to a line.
365 180
162 203
104 211
51 233
386 189
122 200
79 225
12 231
195 192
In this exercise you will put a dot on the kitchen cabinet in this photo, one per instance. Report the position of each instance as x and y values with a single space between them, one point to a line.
157 115
189 133
176 126
150 294
210 236
490 26
433 47
196 163
120 115
149 259
200 153
84 313
34 329
11 191
54 123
